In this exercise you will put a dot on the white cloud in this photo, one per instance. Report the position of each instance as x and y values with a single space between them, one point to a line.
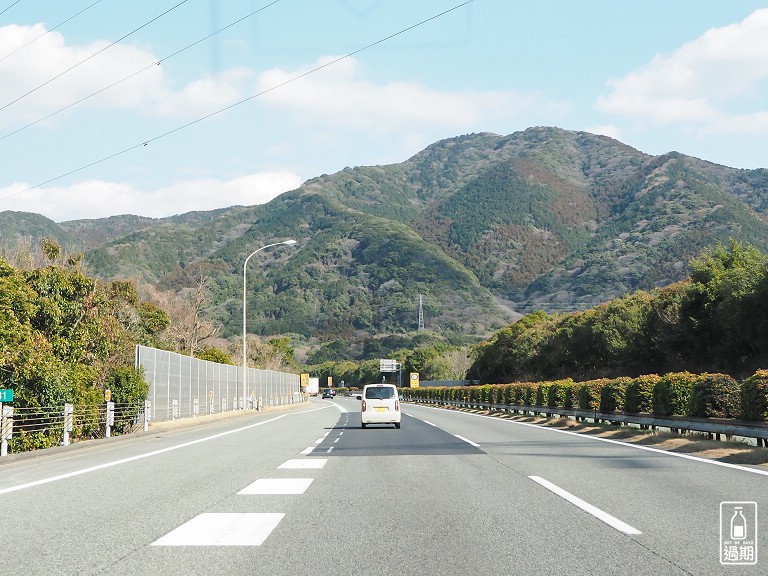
150 90
97 199
707 84
49 56
606 130
203 96
340 97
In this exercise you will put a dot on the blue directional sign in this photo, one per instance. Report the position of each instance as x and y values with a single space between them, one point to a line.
6 395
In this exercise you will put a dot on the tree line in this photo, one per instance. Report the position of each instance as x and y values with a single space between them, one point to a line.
716 321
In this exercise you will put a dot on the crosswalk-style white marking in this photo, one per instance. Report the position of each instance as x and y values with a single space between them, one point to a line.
245 529
278 486
223 529
305 464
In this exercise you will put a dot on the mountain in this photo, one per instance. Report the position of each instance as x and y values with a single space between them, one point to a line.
545 218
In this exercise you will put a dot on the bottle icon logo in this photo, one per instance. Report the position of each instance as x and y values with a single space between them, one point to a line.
738 525
738 533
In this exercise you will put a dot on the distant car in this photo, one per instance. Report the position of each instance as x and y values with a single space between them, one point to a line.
328 393
380 405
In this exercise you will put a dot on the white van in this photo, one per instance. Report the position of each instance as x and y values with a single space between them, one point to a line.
380 405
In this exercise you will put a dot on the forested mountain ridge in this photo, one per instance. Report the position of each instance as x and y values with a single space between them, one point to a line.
545 218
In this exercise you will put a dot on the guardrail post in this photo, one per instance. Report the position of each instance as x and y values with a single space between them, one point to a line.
6 428
69 422
110 418
147 414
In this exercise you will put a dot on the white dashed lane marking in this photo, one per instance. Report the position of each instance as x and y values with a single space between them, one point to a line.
223 529
245 529
305 464
278 486
587 507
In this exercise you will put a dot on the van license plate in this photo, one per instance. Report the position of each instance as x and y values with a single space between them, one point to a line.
380 409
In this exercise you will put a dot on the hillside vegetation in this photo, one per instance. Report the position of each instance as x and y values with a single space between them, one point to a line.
544 219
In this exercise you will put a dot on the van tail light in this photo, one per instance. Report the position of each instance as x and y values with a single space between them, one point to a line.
363 405
397 405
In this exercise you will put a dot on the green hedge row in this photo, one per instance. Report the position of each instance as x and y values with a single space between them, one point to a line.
680 393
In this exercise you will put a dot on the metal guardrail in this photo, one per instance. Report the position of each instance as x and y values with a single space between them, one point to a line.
711 426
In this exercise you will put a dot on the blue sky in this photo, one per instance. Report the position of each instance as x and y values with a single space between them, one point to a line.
659 75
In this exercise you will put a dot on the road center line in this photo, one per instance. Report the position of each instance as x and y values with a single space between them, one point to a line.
612 521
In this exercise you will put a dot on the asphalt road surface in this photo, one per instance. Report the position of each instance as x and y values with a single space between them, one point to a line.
309 492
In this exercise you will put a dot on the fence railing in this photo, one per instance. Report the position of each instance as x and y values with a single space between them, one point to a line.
181 386
30 428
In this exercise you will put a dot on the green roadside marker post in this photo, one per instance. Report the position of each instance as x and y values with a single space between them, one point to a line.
6 420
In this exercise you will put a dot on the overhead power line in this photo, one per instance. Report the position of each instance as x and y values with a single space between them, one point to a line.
9 7
83 61
243 101
4 136
36 38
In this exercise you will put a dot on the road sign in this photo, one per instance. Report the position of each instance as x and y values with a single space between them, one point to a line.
386 365
107 394
414 379
6 395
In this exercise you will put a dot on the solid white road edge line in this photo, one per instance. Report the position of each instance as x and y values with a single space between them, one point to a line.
608 440
133 458
146 454
612 521
467 441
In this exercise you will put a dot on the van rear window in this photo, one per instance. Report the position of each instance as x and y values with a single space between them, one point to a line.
383 393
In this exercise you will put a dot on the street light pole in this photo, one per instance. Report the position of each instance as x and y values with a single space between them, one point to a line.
245 350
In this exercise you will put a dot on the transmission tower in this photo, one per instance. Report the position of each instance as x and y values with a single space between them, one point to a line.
421 312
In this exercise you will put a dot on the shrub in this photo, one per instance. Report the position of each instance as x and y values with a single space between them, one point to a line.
560 392
714 395
639 394
589 392
672 393
517 394
528 394
568 397
553 394
754 396
612 394
541 394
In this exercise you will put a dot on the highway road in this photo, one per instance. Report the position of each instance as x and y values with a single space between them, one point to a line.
308 492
